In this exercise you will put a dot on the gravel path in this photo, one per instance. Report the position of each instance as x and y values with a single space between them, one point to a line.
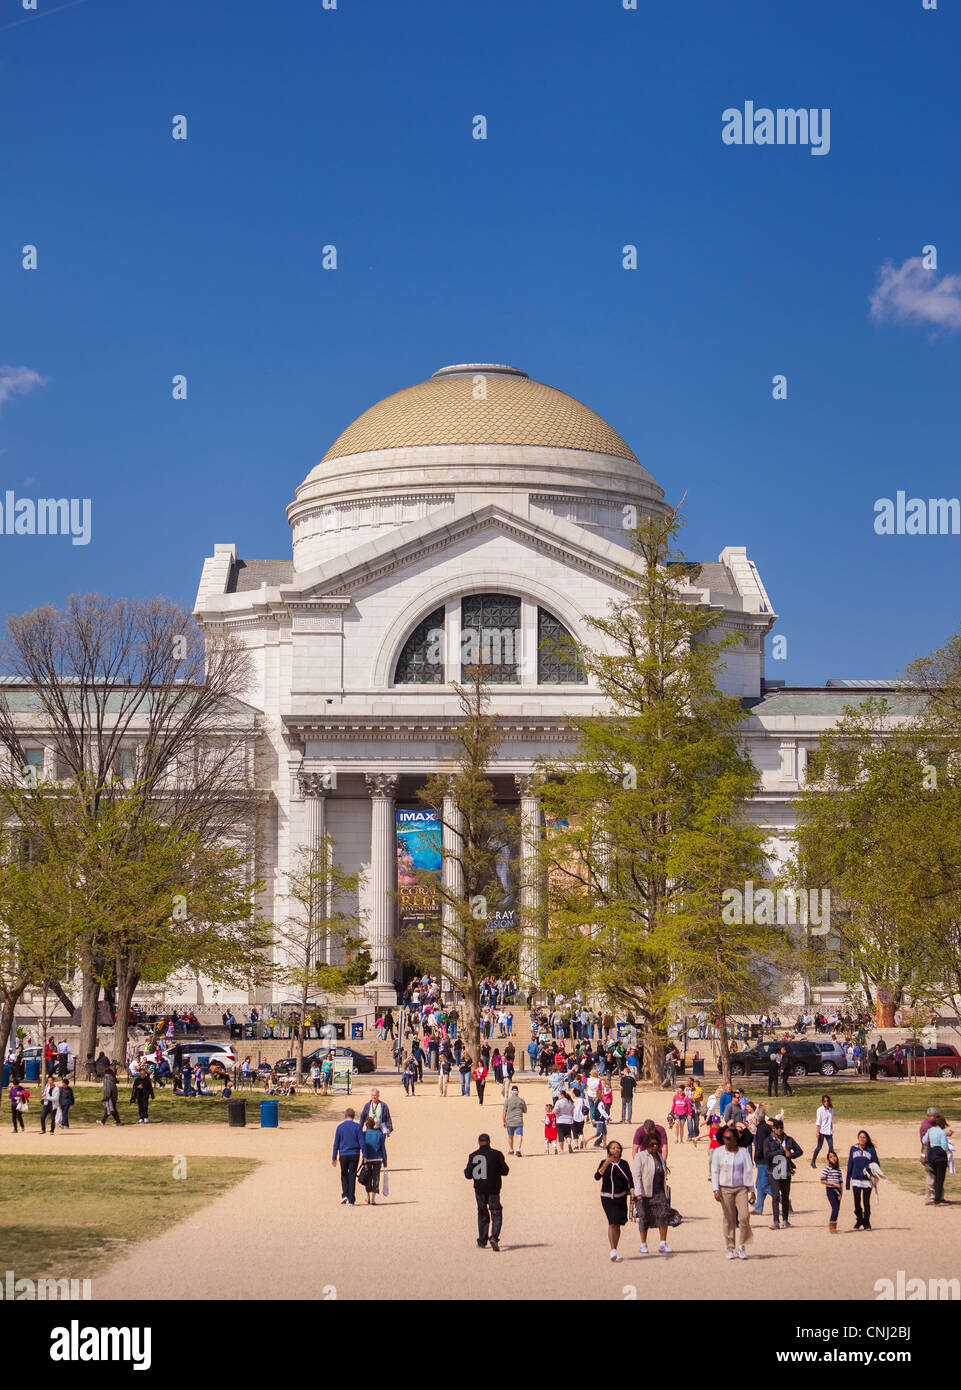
282 1233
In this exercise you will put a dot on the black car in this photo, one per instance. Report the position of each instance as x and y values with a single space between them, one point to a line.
806 1059
363 1061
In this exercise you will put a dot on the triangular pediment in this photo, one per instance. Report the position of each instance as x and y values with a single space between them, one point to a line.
375 560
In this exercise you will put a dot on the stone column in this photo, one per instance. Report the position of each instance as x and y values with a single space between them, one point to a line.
315 786
453 879
383 867
530 815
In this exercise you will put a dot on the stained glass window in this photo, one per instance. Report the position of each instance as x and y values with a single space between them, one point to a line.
490 637
422 660
558 660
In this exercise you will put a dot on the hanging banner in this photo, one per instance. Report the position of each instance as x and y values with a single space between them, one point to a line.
418 852
504 916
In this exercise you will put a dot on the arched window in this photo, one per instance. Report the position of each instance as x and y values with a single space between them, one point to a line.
490 626
496 632
558 660
422 660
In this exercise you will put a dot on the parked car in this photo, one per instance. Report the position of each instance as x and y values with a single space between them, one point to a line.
363 1061
943 1060
835 1057
805 1059
212 1056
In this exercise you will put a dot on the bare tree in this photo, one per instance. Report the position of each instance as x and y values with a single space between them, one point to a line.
137 708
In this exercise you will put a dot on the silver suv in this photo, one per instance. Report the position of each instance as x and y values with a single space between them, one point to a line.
834 1058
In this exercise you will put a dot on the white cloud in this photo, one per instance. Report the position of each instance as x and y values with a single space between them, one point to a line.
17 381
911 294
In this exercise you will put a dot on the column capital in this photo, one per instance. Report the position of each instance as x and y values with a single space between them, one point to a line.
381 784
314 783
528 783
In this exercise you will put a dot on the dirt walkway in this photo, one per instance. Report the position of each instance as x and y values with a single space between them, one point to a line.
283 1234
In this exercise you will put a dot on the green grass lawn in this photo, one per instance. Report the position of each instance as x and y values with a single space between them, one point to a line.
866 1102
910 1175
166 1108
68 1217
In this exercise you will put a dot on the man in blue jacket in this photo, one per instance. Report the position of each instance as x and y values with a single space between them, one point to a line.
348 1143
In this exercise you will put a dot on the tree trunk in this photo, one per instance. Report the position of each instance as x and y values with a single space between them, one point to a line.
724 1047
300 1032
9 1000
128 979
654 1050
469 1013
90 999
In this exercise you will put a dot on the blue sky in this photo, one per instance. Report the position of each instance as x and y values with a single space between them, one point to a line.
353 127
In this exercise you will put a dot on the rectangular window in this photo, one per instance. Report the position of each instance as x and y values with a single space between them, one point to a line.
125 764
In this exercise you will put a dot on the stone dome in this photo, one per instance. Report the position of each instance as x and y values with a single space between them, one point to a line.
472 434
479 403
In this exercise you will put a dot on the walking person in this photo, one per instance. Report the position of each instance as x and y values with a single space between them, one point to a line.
779 1152
515 1108
832 1180
409 1075
564 1116
824 1127
142 1093
109 1097
348 1146
67 1098
650 1188
374 1157
487 1168
628 1086
680 1109
19 1098
617 1183
479 1074
732 1177
773 1072
464 1067
763 1181
873 1062
858 1179
443 1072
50 1104
786 1072
935 1155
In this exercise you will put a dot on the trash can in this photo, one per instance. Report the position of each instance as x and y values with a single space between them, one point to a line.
6 1074
697 1066
269 1110
31 1069
237 1113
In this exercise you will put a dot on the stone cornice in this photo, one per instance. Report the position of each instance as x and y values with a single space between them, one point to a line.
415 729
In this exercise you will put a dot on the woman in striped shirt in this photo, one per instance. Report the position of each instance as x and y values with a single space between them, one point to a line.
832 1180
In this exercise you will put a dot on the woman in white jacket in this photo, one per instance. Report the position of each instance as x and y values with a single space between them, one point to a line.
732 1178
650 1189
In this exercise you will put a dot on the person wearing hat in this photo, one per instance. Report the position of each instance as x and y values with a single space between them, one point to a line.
778 1151
732 1178
486 1168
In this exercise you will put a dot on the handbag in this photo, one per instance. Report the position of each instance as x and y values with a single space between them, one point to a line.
23 1106
674 1217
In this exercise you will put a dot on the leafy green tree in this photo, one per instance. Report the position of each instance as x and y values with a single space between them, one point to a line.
624 810
862 819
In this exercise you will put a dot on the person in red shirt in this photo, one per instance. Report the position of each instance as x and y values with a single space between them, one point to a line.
550 1129
480 1080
